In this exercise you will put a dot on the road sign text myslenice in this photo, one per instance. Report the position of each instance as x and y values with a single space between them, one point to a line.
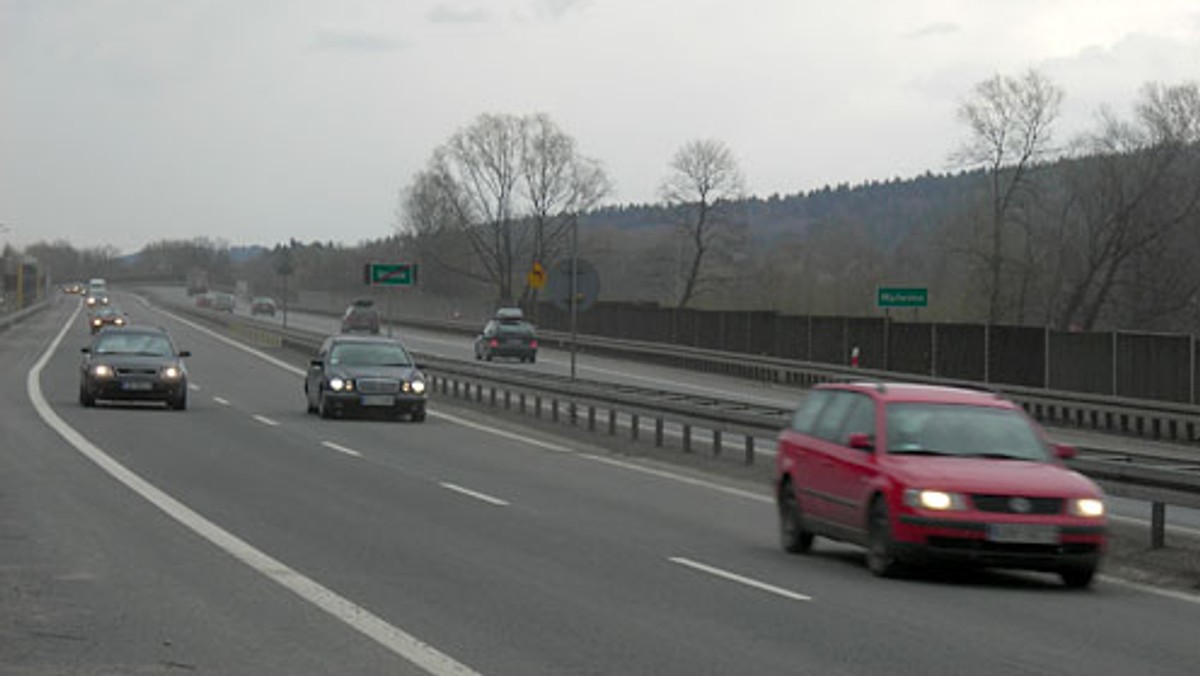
390 274
902 297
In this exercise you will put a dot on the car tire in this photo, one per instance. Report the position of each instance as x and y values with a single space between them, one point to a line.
488 356
417 415
86 398
881 552
1078 578
533 358
323 407
792 536
179 401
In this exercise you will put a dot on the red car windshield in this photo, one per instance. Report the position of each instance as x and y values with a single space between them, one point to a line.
961 430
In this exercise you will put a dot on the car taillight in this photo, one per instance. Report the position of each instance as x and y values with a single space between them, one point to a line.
533 344
493 343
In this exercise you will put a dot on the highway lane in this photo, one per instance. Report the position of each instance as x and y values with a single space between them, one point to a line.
557 362
578 564
92 581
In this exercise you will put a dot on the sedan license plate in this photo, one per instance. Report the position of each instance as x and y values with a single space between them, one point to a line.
378 400
1028 533
136 386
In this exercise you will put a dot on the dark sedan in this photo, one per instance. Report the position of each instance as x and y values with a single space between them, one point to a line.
106 315
516 339
133 363
364 374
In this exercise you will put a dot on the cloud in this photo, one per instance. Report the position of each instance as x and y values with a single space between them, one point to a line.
458 13
355 41
933 30
554 9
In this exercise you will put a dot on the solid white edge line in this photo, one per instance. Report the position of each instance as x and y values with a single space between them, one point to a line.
341 449
357 617
1147 589
265 420
474 494
221 400
740 579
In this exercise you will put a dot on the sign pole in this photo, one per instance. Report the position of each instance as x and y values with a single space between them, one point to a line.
574 291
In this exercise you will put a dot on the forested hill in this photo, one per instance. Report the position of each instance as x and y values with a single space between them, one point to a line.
887 210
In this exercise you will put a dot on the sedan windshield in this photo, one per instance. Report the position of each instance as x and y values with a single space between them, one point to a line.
369 354
962 430
134 343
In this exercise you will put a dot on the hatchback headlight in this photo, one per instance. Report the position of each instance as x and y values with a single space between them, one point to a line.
172 373
939 501
102 371
97 321
1088 507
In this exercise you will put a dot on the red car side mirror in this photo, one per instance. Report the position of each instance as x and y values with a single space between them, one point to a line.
1065 451
861 441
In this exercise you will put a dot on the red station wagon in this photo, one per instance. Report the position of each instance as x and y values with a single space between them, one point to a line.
919 473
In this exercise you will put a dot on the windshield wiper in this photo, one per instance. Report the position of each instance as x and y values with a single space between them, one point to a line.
916 451
995 456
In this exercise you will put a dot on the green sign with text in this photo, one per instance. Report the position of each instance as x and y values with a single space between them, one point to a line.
390 274
891 296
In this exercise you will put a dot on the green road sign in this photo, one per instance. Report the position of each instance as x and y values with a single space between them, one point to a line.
390 274
902 297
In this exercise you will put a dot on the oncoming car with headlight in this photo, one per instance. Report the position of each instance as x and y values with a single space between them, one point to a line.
105 315
364 374
919 474
133 363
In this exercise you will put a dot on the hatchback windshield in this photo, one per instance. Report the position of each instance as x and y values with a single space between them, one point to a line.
134 343
368 354
959 430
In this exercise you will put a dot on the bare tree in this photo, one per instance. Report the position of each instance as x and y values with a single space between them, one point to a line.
1010 121
702 185
504 188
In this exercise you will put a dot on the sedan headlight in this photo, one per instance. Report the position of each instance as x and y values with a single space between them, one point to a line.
416 387
172 373
340 384
102 371
935 500
97 321
119 321
1088 507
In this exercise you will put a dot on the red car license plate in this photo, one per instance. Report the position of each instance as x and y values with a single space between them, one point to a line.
1027 533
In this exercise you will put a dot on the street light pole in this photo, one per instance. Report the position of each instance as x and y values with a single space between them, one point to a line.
574 291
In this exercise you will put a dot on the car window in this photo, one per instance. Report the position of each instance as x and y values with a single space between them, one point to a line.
367 354
859 420
514 329
804 416
134 343
830 420
962 430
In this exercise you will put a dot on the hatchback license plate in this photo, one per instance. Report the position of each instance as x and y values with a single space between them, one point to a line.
378 400
1023 532
136 386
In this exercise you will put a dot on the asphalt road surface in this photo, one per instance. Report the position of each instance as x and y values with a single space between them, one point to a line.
243 536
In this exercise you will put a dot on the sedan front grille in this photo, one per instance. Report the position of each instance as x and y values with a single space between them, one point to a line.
378 385
128 371
1015 504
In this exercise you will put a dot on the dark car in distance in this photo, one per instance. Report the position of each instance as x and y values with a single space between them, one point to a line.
361 317
263 305
364 374
918 474
133 363
507 335
105 315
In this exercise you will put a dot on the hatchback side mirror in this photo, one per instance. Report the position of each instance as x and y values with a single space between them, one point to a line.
1065 451
185 353
316 364
861 441
86 350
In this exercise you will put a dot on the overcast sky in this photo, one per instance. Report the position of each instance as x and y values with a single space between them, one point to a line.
125 122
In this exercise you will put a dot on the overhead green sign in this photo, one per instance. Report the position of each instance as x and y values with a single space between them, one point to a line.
390 274
895 296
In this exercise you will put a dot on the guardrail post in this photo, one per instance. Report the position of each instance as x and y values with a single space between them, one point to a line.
1158 525
554 409
537 406
716 442
521 401
492 396
687 438
573 412
658 431
635 424
612 421
749 450
591 418
507 400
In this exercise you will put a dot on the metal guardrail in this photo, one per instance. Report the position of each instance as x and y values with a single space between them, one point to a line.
21 315
596 402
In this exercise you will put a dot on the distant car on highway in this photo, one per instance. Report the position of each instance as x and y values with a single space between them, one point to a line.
105 315
224 302
507 335
920 474
361 317
263 305
364 374
204 300
133 363
95 299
